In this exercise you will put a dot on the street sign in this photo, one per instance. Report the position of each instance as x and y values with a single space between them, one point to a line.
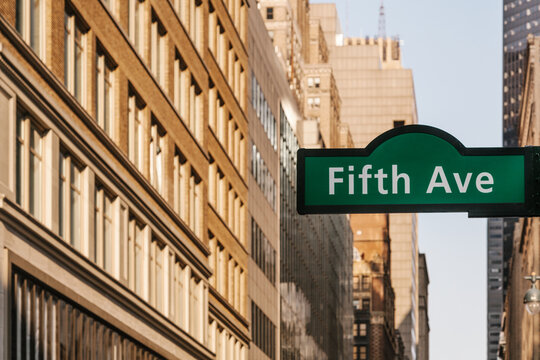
419 168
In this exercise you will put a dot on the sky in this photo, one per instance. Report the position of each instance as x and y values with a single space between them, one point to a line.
455 51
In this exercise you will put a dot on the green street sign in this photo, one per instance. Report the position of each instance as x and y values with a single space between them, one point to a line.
419 168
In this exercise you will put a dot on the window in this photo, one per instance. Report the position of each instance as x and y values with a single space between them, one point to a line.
195 19
157 143
181 84
136 24
263 331
28 21
314 102
135 128
180 293
111 5
29 164
365 304
263 111
196 318
366 282
262 176
195 109
262 252
156 276
195 203
212 23
103 242
70 200
181 169
362 329
104 92
44 323
362 353
158 50
74 56
135 245
269 13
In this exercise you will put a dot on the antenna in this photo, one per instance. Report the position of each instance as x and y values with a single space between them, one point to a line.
382 21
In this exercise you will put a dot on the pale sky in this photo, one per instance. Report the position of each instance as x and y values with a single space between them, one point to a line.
455 51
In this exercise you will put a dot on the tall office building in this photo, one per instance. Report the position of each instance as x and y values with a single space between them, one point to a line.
123 190
316 251
377 94
316 271
270 95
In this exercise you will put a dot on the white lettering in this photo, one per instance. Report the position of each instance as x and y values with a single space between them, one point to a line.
462 186
351 181
488 181
365 176
396 177
380 176
333 179
443 183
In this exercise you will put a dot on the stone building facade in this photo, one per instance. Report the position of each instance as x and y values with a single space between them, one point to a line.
124 191
521 339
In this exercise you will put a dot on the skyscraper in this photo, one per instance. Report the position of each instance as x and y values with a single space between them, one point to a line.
377 94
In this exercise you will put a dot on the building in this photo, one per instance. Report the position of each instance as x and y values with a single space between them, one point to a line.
495 298
423 320
316 271
124 227
377 94
520 18
270 96
316 259
374 333
521 339
288 27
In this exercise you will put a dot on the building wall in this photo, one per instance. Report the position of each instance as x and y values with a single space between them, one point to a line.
423 320
377 94
519 20
157 246
374 331
269 95
495 298
521 340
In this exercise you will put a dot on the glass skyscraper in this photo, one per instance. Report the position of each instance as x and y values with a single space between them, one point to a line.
316 271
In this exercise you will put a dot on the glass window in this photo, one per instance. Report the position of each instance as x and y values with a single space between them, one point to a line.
74 56
103 242
29 164
181 84
28 21
270 13
70 200
45 323
157 143
136 24
135 128
104 92
135 254
158 50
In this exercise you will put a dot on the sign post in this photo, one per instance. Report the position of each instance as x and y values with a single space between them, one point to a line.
419 168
